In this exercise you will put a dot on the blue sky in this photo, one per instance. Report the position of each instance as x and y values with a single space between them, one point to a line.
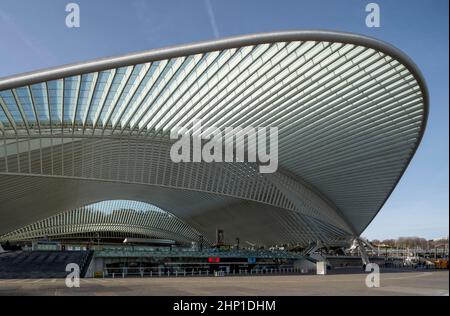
33 35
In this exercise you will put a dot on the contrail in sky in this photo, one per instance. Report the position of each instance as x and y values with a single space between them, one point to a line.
212 18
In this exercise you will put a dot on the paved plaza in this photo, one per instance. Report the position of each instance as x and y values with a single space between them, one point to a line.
394 283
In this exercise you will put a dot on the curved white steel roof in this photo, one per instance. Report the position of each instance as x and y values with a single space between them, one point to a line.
109 219
350 111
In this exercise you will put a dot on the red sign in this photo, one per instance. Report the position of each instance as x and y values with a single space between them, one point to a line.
214 260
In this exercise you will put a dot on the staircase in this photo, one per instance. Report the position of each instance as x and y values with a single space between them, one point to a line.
41 264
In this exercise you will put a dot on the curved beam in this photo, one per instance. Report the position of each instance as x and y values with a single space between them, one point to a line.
352 111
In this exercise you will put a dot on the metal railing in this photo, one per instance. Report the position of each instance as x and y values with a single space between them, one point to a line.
124 272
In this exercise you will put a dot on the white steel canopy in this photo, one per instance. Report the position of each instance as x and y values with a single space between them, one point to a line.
350 111
109 219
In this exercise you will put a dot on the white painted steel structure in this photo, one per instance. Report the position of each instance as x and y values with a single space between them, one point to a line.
114 219
350 111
